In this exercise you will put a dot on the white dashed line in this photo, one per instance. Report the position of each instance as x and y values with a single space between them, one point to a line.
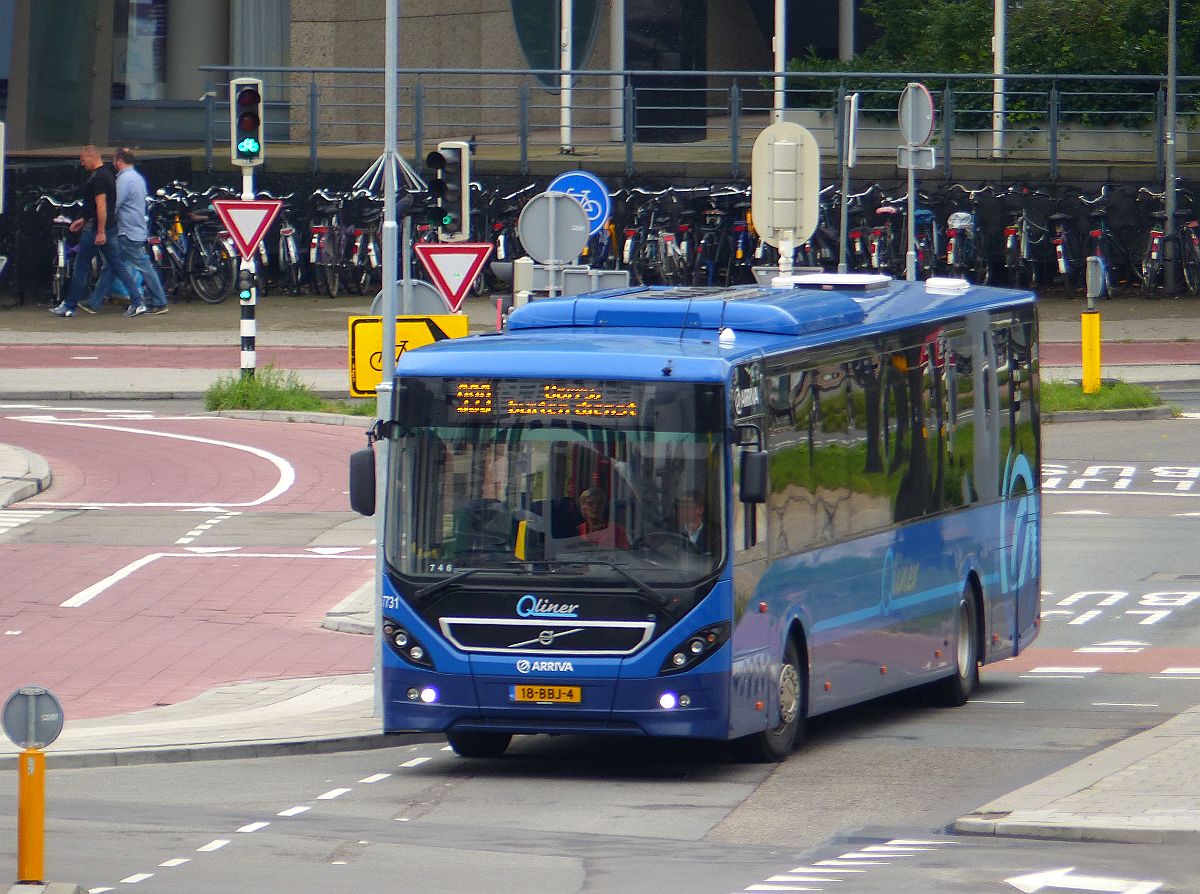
378 777
178 861
1123 705
780 888
416 762
213 846
1063 670
134 879
332 793
294 811
1180 670
253 827
98 890
985 701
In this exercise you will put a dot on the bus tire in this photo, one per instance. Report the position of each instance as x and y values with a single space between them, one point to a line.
774 745
955 689
478 744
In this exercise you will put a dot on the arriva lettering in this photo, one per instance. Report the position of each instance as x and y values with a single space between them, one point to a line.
530 606
544 666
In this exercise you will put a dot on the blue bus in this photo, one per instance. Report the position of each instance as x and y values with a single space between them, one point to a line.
708 513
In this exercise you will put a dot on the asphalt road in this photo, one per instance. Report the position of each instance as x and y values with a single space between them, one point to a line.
873 789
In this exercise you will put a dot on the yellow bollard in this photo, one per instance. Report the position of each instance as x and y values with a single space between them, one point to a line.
1090 326
31 816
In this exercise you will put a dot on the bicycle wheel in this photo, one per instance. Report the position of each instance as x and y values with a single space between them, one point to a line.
1148 268
981 271
329 261
289 265
212 270
1191 263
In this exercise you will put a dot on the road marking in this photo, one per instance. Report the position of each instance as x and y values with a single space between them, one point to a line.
812 869
1072 599
98 890
1180 670
12 632
253 827
332 793
1050 669
416 762
790 877
761 887
214 845
988 701
841 861
178 861
1083 512
1064 881
134 879
287 474
87 594
1124 705
1151 617
378 777
294 811
1085 617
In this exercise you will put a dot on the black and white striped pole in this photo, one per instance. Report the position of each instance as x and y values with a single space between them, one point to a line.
246 149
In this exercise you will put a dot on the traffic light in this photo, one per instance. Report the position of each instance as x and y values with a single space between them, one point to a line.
450 190
245 284
246 122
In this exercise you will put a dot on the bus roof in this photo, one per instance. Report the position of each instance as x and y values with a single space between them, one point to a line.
700 332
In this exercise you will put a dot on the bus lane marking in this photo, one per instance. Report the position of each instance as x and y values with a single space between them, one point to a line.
86 595
287 475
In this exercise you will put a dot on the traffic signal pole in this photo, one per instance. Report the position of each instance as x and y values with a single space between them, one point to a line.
248 294
246 150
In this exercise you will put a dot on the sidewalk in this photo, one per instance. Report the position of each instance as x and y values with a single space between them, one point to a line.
1142 789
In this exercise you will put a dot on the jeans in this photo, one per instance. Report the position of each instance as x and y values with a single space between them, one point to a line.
88 249
135 257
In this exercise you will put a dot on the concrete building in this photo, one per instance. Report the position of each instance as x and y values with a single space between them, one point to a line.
128 71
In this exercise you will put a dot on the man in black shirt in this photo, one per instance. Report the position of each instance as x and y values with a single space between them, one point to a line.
97 230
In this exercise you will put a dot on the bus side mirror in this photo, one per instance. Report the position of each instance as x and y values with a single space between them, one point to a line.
752 482
362 481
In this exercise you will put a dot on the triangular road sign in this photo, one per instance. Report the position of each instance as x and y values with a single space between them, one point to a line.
247 220
453 266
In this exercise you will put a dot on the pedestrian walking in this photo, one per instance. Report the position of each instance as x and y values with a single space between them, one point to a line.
97 230
132 233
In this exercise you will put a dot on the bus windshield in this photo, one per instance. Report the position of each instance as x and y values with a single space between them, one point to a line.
611 479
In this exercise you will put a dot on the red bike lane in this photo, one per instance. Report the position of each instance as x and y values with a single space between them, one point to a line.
113 626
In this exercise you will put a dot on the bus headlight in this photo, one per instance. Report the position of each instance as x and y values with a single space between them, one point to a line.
406 646
696 648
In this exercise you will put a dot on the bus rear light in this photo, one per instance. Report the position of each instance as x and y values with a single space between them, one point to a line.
668 701
696 648
405 645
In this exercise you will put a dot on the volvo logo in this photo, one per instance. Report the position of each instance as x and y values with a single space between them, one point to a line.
546 637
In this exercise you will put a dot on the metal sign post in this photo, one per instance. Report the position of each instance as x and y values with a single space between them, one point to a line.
32 719
553 229
850 142
915 115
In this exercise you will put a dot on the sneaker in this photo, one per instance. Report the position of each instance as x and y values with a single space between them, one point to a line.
157 309
87 308
135 310
61 310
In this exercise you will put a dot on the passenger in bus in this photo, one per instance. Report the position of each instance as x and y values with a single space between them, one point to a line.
596 528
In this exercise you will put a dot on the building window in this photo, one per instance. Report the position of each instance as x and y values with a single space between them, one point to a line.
139 49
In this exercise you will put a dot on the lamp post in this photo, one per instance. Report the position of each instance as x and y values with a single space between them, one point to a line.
779 44
1172 101
999 46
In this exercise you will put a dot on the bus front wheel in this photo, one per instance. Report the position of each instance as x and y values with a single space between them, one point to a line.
478 744
954 690
773 745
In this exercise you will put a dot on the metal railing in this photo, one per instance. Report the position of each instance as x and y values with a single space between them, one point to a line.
627 116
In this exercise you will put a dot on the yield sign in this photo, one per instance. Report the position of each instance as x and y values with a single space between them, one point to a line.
247 220
453 266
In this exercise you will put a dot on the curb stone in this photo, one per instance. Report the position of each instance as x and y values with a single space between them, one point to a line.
1133 414
28 481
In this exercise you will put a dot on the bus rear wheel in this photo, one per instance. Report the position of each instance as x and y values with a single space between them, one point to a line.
954 690
478 744
774 745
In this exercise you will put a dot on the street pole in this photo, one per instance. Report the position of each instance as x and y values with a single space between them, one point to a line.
565 63
780 45
383 394
1171 123
999 47
248 326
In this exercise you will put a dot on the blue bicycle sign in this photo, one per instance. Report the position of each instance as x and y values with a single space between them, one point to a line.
590 192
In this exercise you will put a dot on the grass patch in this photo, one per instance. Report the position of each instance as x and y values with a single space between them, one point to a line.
276 389
1061 396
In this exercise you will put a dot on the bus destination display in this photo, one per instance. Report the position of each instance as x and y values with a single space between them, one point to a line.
531 398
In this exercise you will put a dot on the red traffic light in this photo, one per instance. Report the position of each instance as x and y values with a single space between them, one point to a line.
248 120
247 97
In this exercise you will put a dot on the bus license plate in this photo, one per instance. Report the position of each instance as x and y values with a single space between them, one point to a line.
552 695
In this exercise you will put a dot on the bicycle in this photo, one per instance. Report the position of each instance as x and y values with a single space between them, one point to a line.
1068 254
966 240
65 242
1103 244
1023 241
1151 257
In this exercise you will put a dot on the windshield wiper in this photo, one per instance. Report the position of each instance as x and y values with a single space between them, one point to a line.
645 589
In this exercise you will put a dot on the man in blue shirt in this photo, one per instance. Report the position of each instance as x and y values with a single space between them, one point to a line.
97 228
131 235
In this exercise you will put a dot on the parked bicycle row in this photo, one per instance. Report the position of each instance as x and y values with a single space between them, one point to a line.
329 242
